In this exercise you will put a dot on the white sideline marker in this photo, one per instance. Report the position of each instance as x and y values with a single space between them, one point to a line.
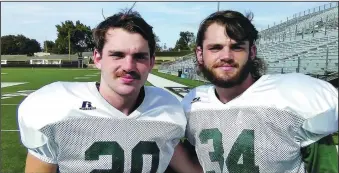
8 84
9 130
81 77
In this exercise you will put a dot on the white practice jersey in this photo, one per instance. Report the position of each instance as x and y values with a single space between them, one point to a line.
264 128
72 125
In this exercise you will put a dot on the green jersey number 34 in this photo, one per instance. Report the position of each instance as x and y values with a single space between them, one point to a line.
244 145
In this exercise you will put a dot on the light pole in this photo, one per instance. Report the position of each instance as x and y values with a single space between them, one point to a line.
69 45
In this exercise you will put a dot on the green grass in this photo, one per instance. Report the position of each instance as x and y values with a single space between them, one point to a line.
189 83
13 153
148 84
335 138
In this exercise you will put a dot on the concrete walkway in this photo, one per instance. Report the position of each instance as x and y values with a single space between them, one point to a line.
162 83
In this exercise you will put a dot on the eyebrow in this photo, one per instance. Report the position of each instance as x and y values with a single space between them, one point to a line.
214 44
240 43
122 53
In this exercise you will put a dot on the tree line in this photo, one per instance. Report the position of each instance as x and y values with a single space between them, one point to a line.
78 37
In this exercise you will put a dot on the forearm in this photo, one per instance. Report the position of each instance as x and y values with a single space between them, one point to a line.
181 162
34 165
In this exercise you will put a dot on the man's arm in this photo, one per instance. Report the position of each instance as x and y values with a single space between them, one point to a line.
321 156
34 165
184 160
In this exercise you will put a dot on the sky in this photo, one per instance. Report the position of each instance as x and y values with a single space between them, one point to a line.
37 20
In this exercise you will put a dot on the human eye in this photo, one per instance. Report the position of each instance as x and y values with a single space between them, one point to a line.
116 55
215 48
237 48
141 56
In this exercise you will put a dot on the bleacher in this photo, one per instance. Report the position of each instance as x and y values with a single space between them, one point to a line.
306 43
310 48
324 17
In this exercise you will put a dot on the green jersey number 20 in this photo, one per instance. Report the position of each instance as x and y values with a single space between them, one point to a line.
244 145
118 158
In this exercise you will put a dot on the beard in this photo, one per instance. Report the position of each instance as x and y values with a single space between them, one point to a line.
227 80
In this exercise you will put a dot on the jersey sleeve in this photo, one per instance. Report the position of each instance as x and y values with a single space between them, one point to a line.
30 114
316 101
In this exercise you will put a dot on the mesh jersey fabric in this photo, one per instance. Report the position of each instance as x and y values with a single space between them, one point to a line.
71 125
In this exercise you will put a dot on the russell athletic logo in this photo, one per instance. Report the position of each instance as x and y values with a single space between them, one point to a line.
86 105
197 99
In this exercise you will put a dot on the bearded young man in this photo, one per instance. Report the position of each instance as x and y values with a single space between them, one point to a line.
250 122
117 125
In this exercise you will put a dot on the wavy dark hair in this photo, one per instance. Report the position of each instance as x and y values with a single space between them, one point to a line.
129 20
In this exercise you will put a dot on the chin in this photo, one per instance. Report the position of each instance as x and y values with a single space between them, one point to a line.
126 89
226 76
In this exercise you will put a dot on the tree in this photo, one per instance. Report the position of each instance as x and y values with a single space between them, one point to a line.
14 45
192 46
8 45
79 36
186 38
50 46
158 48
31 47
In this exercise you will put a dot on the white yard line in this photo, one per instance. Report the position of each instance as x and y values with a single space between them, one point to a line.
162 83
8 84
9 130
8 104
81 77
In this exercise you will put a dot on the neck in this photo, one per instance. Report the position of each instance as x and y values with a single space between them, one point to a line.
227 94
124 103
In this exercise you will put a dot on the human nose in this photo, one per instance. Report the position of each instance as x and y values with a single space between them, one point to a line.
128 64
225 53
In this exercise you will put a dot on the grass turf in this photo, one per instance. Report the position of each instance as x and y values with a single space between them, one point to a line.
189 83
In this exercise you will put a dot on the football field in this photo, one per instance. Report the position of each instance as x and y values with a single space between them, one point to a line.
17 83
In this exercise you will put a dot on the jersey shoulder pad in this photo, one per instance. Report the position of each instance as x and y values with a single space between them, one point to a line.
163 106
162 96
198 94
301 89
313 99
36 111
40 106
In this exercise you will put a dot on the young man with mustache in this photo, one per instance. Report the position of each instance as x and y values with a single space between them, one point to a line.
117 125
249 122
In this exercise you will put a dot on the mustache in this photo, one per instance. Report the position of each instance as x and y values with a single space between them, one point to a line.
224 63
134 74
